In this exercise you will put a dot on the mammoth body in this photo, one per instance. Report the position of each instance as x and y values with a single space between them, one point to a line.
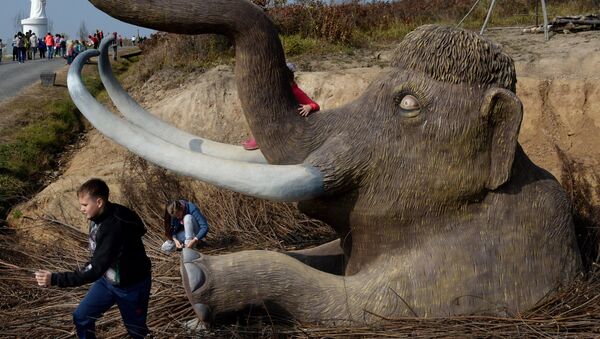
438 209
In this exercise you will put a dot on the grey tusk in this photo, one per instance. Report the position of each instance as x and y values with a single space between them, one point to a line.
275 182
151 123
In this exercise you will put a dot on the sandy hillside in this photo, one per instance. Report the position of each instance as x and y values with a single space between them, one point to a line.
558 83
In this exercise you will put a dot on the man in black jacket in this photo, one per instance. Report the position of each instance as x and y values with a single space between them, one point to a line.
119 266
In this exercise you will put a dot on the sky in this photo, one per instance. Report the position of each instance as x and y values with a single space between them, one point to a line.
66 17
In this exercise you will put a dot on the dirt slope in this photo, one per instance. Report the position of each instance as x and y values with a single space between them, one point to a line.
558 83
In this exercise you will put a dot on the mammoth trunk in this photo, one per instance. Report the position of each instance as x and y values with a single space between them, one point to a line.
263 86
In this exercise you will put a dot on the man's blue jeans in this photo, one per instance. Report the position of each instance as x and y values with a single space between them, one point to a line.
22 54
132 302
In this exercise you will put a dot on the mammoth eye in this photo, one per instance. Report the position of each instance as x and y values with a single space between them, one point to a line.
409 103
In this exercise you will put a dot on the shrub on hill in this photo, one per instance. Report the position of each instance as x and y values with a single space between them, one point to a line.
316 27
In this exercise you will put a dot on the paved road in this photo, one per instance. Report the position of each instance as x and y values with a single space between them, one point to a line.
15 76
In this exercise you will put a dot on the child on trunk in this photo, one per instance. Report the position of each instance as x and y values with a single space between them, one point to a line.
306 105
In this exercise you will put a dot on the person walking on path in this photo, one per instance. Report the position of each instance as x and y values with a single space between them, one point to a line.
33 43
185 224
70 54
115 46
119 266
57 46
1 50
42 48
63 45
20 43
15 50
49 40
94 41
27 46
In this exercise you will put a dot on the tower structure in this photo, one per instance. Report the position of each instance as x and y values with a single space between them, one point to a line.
37 21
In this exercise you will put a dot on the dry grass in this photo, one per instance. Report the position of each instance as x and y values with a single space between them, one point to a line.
236 221
241 223
187 52
317 28
583 188
35 127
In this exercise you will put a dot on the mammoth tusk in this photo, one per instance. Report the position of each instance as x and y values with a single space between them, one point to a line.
151 123
275 182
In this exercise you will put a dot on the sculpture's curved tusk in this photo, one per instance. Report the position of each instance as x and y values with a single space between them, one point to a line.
151 123
276 182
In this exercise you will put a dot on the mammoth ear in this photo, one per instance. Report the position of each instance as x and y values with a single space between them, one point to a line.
505 112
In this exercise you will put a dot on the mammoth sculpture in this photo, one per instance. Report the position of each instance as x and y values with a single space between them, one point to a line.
438 209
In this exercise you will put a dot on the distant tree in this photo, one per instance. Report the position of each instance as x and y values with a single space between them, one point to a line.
270 3
83 31
261 3
18 27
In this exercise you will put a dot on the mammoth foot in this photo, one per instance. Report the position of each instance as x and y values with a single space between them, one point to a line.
278 282
194 279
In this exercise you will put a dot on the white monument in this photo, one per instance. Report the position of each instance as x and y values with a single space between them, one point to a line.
37 21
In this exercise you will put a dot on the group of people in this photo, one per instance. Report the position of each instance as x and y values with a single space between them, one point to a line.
28 46
119 268
25 46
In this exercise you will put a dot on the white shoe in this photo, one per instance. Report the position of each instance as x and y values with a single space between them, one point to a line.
168 246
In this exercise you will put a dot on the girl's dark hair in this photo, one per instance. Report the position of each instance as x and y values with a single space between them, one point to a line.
170 210
167 225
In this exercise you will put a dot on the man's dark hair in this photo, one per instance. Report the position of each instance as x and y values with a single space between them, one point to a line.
95 187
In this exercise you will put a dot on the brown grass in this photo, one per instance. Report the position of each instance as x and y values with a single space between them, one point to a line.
584 191
239 222
35 128
236 221
187 52
317 28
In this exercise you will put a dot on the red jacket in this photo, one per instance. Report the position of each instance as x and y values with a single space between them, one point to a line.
304 99
49 39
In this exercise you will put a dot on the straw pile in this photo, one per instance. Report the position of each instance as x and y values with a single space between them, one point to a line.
239 222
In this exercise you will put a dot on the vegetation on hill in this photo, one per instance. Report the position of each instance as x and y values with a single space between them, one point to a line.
316 27
30 149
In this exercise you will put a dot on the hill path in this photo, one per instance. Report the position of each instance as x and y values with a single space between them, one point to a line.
14 76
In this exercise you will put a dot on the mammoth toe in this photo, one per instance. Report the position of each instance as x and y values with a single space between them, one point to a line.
195 276
189 255
202 312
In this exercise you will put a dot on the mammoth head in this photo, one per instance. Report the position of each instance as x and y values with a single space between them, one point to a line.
445 119
441 127
466 90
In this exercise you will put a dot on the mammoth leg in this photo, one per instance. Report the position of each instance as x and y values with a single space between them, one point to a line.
328 257
227 283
